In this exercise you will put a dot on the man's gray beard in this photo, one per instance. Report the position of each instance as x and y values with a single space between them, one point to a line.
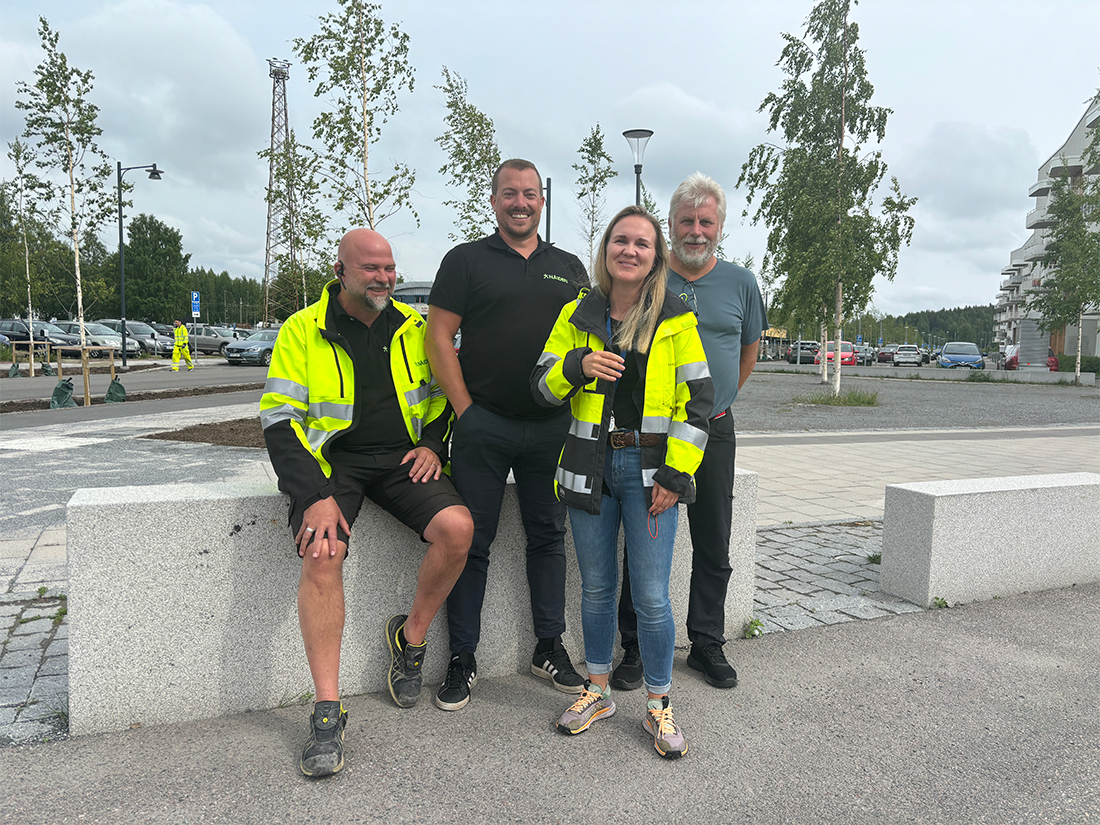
377 304
691 258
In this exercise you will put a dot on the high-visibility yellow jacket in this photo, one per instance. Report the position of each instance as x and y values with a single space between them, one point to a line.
677 401
181 336
309 398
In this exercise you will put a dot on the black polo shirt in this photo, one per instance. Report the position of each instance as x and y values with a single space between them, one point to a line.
508 305
380 427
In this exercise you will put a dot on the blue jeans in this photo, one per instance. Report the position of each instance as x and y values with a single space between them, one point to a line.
651 541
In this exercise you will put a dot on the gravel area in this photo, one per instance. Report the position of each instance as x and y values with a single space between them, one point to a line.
768 402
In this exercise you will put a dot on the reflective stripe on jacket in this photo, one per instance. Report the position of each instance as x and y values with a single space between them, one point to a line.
309 398
677 401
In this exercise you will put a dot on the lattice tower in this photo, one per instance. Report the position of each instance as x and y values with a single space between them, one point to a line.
283 296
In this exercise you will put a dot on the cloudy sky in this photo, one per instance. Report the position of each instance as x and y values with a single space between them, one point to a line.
982 92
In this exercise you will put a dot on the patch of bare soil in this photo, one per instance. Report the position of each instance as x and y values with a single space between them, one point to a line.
152 395
242 432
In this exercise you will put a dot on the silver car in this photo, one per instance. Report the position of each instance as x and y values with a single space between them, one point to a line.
97 335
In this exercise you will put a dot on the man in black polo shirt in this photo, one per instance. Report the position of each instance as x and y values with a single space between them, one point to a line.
505 292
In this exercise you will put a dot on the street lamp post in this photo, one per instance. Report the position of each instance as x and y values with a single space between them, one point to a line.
154 174
637 138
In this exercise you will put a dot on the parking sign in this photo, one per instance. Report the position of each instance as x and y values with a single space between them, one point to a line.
194 305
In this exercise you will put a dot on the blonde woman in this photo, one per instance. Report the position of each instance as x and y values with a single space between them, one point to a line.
627 358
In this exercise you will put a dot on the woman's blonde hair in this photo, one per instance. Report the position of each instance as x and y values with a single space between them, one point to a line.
640 323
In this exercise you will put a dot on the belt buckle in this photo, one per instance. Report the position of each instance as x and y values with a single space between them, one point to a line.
617 440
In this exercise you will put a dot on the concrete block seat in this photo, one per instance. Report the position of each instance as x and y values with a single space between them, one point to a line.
974 539
182 601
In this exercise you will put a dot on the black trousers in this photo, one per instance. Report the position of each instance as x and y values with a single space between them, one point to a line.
484 448
710 519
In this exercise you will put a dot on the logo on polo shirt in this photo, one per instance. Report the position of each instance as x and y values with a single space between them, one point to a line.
550 277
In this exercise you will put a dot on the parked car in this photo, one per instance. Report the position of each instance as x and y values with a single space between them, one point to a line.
151 341
163 329
847 354
211 340
865 355
802 352
908 355
253 350
19 332
925 355
886 354
98 335
1012 358
961 354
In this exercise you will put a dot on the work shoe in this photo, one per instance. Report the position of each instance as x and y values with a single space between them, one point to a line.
454 693
591 705
323 754
668 739
628 675
175 369
554 665
190 367
405 660
710 659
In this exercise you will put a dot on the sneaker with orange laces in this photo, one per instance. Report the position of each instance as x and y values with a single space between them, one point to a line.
668 739
593 704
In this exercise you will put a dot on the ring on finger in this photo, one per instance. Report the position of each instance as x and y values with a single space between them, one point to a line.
309 530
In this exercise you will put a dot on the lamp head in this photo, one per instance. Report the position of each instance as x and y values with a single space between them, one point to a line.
154 173
637 138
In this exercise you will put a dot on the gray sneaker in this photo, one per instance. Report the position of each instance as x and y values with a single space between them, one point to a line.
668 739
323 754
404 678
591 705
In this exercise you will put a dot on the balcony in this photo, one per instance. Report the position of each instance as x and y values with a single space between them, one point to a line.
1040 189
1072 166
1038 219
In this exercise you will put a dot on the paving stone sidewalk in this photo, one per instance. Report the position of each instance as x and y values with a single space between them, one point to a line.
806 576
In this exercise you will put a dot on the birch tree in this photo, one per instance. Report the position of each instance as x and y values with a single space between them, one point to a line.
473 157
594 171
1072 251
25 191
827 234
61 121
359 64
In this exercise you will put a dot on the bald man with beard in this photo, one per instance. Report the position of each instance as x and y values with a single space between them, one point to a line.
351 411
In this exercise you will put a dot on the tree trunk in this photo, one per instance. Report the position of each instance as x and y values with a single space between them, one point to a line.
837 354
366 122
27 257
824 371
1080 335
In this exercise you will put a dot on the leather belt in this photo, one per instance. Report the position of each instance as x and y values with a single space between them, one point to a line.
632 438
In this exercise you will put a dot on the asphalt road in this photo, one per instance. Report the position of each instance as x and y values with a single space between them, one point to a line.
768 402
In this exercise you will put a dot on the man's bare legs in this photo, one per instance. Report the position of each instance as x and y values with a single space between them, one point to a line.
448 535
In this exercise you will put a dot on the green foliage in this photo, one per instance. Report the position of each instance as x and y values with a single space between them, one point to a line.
594 171
939 602
1089 363
156 270
61 121
979 377
828 237
851 398
359 64
650 204
472 159
874 558
753 628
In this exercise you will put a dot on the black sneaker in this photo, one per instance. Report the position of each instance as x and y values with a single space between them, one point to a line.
554 665
323 754
628 675
405 660
454 693
710 659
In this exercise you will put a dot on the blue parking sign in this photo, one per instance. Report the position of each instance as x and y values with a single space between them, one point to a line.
880 342
859 339
194 305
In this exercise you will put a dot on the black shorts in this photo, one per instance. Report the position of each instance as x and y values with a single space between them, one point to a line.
386 482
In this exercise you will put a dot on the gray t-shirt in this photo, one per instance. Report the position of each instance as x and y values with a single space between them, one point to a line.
731 315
